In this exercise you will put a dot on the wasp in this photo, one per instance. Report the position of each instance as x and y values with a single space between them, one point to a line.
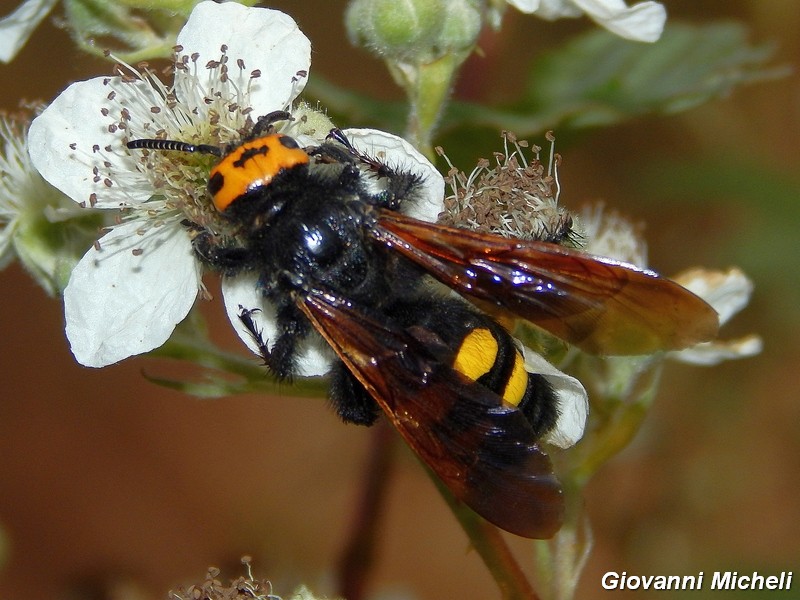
338 259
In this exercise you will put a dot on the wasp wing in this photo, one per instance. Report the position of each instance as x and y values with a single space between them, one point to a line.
601 305
484 451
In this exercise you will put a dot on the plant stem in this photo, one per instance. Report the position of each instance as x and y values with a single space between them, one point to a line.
358 556
492 548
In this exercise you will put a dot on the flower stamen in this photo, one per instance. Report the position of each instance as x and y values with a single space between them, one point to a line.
514 198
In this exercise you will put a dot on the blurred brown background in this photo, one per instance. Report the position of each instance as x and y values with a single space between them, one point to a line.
108 481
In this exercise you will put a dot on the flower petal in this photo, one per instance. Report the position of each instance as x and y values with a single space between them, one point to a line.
241 292
75 147
727 292
573 402
525 6
554 9
398 153
709 354
267 40
16 28
126 296
643 22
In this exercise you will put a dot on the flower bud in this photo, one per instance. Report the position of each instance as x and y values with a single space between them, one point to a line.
415 31
462 25
393 29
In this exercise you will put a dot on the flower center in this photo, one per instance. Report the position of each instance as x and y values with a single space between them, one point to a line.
513 198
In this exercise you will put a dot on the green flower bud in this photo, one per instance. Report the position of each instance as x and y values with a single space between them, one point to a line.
462 25
393 29
415 31
49 250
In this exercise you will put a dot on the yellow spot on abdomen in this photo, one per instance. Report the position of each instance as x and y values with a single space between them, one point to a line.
517 384
477 354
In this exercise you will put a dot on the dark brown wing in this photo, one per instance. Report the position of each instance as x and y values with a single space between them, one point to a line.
602 306
483 451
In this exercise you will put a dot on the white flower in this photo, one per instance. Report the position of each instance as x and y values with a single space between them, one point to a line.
234 64
573 402
607 233
16 28
19 184
642 22
728 292
38 224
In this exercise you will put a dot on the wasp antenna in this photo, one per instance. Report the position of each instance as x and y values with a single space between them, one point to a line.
337 135
381 169
266 122
174 145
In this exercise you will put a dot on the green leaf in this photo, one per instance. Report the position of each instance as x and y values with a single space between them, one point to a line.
595 79
222 373
132 31
601 79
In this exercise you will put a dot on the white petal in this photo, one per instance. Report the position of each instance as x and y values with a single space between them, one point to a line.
16 28
67 145
119 304
727 292
239 293
556 9
398 153
242 292
643 22
711 353
267 40
573 402
526 6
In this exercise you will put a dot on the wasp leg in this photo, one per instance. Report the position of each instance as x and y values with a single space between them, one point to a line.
246 317
350 399
228 260
401 185
281 359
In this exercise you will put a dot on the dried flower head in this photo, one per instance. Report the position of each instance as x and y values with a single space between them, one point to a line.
514 196
245 587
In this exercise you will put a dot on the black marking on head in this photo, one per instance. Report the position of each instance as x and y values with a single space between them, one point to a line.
249 153
215 183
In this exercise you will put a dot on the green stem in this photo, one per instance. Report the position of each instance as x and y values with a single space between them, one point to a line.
616 421
560 560
195 349
358 556
607 442
428 88
492 548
